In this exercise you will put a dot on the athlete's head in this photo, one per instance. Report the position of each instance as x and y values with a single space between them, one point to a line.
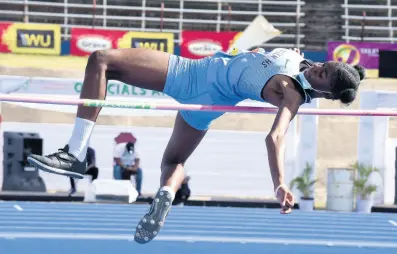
336 80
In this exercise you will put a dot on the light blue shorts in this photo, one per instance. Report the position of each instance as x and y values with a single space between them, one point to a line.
190 82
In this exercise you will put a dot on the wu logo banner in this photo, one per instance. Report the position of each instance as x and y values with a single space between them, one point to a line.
156 41
154 44
29 38
35 38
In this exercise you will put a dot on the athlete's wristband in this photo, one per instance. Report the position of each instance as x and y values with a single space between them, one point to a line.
280 186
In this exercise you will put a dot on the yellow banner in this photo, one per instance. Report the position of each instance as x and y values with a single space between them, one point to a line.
31 38
156 41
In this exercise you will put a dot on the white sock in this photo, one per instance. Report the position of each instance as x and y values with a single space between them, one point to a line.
78 142
169 190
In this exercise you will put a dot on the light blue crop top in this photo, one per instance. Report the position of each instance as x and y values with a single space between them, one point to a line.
243 76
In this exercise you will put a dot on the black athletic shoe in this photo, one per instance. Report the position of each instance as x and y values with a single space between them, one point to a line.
151 223
61 163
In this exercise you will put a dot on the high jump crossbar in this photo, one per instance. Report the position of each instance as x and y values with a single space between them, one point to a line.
191 107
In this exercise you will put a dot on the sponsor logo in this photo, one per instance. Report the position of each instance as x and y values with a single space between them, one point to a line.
28 38
154 44
347 53
204 47
90 43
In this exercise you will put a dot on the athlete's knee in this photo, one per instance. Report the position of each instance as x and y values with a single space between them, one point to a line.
171 161
99 58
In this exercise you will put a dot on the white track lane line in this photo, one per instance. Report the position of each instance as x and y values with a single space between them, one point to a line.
17 207
393 223
183 238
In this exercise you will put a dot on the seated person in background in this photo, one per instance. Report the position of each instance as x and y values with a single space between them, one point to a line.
127 164
91 169
183 192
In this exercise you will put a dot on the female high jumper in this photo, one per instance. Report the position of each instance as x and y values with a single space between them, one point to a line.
222 79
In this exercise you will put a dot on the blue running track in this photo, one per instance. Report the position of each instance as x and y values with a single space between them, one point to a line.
74 228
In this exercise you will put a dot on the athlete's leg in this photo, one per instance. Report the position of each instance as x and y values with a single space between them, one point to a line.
140 67
183 142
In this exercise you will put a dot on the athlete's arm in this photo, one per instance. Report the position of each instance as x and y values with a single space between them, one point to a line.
275 140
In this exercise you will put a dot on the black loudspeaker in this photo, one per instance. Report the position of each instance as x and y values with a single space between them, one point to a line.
387 64
18 174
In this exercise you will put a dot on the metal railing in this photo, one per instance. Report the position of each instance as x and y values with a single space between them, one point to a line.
155 15
370 22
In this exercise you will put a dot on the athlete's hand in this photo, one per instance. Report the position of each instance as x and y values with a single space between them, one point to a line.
286 199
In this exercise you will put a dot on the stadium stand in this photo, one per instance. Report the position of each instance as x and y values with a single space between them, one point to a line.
173 16
317 22
369 20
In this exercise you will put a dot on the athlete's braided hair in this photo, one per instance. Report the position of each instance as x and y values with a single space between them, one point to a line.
346 80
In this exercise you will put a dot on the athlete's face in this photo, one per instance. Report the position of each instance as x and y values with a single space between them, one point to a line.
320 76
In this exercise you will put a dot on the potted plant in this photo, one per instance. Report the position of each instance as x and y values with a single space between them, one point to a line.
363 190
304 183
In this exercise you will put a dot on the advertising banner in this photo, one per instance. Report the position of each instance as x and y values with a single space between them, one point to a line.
85 41
61 86
30 38
363 53
199 44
